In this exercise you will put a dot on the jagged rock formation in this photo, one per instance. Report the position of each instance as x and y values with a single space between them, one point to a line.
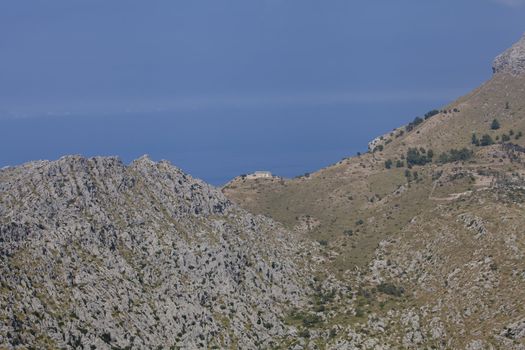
97 254
511 61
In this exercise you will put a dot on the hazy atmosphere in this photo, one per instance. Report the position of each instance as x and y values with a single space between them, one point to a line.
340 174
224 88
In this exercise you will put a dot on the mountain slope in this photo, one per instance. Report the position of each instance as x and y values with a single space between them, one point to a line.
96 254
335 198
426 227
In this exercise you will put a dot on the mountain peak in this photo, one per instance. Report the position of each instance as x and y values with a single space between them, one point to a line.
511 61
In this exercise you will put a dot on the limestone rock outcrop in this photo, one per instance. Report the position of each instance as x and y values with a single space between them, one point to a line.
98 254
512 61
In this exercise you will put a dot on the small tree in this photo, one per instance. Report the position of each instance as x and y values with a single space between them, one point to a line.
413 124
455 155
431 113
475 140
486 140
400 163
444 158
495 125
388 163
505 138
416 157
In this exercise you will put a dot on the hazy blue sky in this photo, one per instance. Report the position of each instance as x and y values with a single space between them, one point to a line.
228 87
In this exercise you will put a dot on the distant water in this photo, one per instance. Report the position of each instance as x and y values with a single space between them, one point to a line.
213 145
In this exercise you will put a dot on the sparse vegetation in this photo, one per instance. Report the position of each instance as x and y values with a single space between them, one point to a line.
378 148
390 289
348 232
414 123
486 140
418 156
106 337
475 140
323 242
431 113
495 124
455 155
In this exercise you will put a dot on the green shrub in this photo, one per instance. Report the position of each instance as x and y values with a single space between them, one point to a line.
390 289
414 123
388 163
400 163
486 140
267 325
305 333
378 148
495 125
475 140
431 113
106 337
333 332
310 320
416 157
455 155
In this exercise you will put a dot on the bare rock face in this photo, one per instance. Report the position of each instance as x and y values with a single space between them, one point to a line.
98 254
511 61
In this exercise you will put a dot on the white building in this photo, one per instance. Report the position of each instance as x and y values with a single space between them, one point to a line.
259 175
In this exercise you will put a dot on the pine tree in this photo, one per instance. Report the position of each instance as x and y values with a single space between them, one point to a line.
475 140
486 140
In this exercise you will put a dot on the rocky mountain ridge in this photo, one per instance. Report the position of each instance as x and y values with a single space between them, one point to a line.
97 254
417 244
511 61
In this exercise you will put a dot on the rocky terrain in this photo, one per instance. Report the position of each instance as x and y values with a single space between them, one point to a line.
96 254
417 244
511 61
